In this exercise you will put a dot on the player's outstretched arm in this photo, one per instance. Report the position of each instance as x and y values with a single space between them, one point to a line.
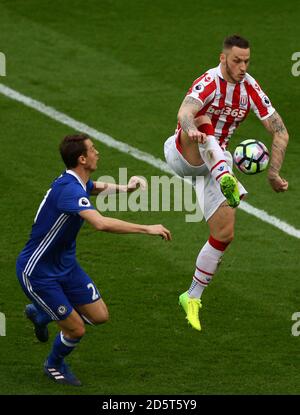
186 116
105 224
276 127
110 188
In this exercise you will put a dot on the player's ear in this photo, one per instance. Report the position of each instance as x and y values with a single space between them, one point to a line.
222 57
81 159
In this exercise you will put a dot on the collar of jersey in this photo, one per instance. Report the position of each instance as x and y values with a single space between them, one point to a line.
77 177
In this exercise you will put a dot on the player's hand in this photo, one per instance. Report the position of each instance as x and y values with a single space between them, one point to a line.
197 136
135 182
277 183
160 230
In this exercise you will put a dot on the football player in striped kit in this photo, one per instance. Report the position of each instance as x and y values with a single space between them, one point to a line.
215 105
47 268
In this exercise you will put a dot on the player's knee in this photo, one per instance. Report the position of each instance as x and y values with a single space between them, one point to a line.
101 317
229 237
226 234
80 331
76 332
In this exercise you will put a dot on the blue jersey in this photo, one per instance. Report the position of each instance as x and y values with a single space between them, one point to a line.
50 250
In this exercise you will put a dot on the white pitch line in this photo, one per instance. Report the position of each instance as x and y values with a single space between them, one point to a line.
272 220
79 126
132 151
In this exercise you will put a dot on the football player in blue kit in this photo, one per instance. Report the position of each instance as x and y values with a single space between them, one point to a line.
47 268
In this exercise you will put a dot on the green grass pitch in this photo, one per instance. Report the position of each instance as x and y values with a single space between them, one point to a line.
123 67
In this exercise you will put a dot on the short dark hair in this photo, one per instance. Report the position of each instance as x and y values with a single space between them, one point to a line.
235 40
71 147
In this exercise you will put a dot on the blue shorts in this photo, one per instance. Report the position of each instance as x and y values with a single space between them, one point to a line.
58 296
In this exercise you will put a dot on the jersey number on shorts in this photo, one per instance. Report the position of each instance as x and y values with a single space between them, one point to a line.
95 295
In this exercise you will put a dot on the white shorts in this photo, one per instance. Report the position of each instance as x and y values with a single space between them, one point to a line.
211 194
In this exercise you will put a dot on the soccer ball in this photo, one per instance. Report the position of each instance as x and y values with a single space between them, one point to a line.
251 156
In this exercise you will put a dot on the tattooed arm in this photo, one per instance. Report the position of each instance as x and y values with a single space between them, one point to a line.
186 116
276 127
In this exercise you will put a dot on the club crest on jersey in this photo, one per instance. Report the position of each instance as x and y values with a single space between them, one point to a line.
84 202
62 309
243 101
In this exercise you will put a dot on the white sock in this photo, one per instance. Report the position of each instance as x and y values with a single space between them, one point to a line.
206 265
213 156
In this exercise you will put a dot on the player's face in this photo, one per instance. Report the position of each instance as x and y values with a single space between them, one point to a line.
92 155
234 64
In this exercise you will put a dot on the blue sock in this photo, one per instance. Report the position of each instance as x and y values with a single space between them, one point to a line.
62 347
41 316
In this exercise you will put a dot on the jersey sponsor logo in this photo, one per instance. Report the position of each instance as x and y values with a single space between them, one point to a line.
234 112
84 202
62 309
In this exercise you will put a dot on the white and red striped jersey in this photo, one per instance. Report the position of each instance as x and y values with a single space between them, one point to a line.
228 104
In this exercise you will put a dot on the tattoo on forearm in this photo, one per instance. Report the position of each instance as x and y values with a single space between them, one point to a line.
189 108
192 101
278 148
280 141
273 169
278 153
276 161
276 124
187 123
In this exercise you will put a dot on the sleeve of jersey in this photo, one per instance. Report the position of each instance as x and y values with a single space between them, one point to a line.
73 200
260 103
203 89
89 186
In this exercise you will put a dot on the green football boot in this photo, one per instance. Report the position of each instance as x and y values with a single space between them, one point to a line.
191 307
229 188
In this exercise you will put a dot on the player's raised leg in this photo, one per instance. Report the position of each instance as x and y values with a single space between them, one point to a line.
221 225
210 153
213 156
